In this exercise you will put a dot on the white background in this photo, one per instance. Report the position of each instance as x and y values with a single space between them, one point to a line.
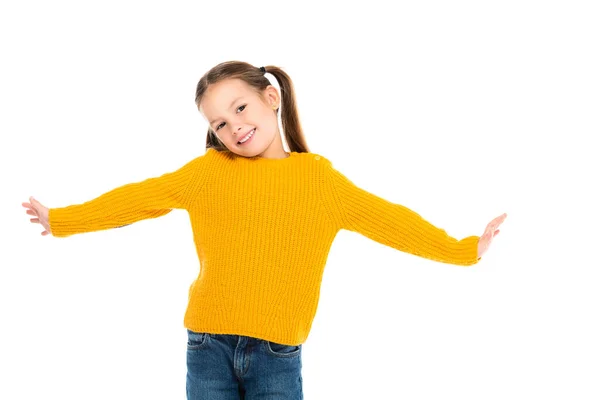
459 110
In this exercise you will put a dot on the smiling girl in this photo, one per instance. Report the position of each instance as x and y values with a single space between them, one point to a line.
263 221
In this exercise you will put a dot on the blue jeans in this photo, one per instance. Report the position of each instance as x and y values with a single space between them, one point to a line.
228 367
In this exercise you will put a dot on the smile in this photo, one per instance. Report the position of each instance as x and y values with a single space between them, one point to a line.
247 137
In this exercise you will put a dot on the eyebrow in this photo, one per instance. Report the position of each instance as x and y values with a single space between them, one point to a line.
232 103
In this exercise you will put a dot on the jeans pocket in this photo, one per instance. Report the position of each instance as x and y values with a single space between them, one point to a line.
282 350
197 340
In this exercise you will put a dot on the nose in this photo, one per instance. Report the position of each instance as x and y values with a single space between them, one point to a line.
237 133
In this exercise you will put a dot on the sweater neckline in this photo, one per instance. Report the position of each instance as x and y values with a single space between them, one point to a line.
257 160
262 160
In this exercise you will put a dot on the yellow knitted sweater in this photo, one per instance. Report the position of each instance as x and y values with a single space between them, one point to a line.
262 230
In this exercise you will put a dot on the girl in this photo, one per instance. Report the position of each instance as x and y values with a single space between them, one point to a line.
263 221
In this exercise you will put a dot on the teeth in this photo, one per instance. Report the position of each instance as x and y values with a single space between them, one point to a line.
247 137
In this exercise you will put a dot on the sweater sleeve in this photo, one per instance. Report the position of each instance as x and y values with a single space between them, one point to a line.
132 202
393 225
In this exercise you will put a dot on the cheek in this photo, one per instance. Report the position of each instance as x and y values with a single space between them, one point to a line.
269 118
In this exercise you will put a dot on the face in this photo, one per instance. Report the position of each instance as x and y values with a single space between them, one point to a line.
233 109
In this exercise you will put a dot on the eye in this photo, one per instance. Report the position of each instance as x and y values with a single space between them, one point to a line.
244 107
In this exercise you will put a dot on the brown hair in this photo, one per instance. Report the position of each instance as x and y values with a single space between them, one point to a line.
257 81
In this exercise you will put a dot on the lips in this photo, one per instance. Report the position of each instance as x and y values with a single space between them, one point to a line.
246 135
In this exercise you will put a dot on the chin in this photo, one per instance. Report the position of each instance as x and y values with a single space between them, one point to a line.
250 152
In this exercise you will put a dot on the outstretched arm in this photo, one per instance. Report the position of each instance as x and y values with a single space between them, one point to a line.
124 205
395 225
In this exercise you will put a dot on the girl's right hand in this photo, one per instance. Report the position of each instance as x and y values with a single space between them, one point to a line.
37 209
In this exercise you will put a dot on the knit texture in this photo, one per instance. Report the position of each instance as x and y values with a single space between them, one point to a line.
263 229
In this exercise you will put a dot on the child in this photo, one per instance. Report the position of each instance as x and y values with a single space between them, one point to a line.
263 221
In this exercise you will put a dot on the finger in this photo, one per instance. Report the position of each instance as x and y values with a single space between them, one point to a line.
31 212
498 221
45 233
35 220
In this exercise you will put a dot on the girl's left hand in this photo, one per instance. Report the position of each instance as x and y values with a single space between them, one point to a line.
491 230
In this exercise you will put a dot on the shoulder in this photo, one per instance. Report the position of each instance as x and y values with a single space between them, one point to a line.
321 162
198 162
317 159
210 155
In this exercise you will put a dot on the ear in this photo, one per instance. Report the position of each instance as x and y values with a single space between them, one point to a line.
271 95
